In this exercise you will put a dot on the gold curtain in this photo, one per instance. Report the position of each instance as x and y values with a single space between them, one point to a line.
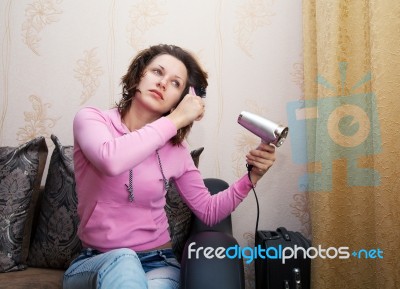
352 107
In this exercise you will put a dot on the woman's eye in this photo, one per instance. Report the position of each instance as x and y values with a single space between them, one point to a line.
176 83
157 71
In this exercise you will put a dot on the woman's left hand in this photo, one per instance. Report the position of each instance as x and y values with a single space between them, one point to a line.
261 158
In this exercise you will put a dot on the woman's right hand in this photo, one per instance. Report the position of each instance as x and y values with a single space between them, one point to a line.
190 109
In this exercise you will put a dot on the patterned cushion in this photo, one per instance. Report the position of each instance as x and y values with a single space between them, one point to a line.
179 215
21 171
55 241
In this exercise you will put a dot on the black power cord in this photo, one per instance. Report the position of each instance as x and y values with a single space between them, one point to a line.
249 167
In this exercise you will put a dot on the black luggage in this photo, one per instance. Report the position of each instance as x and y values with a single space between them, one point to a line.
276 270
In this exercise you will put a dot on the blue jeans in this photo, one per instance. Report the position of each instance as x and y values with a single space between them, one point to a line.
123 268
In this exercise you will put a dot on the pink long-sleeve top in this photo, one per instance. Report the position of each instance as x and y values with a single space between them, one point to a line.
104 152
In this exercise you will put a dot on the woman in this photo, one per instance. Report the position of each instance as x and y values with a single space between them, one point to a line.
123 160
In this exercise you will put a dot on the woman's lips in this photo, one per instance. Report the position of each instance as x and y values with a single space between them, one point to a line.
156 92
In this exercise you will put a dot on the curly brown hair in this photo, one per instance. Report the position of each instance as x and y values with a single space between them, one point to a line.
197 78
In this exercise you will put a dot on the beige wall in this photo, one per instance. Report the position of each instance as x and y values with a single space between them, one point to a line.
58 56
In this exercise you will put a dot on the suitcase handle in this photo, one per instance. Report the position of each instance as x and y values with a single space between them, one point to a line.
284 233
269 235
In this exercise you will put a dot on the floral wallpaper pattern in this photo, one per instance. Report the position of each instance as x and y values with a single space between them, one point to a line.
298 75
143 16
39 14
37 122
5 67
87 72
252 15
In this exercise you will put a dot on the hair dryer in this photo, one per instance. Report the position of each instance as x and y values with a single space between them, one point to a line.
268 131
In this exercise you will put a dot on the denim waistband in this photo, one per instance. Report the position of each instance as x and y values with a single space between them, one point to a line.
168 252
155 254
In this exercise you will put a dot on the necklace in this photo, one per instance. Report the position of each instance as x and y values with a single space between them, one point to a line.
129 187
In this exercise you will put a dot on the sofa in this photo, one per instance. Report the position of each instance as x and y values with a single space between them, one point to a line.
38 222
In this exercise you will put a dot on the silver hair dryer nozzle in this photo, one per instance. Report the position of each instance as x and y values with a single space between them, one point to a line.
268 131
